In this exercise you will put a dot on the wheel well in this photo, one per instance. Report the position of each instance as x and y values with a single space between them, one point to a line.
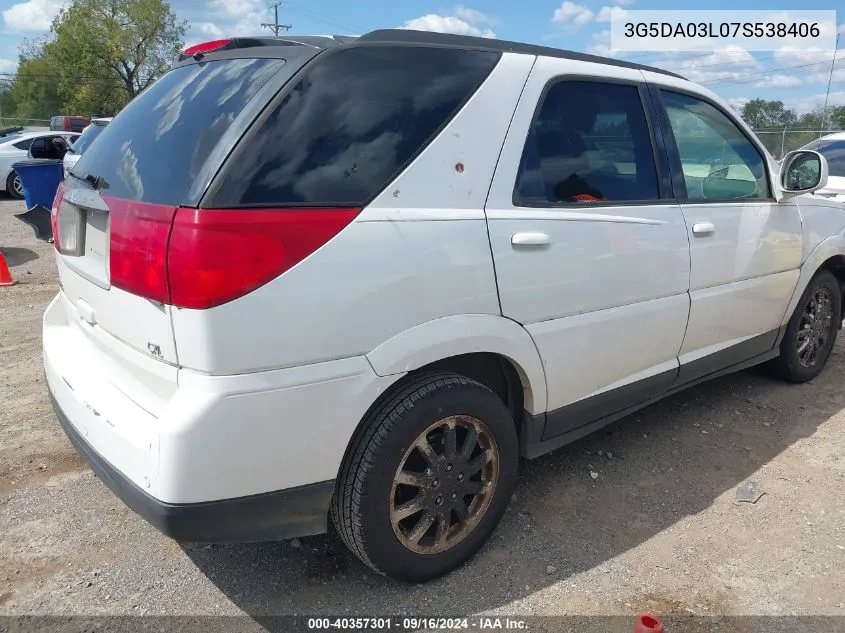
495 372
836 265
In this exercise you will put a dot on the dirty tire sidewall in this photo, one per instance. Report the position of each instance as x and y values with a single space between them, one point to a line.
361 509
788 366
10 187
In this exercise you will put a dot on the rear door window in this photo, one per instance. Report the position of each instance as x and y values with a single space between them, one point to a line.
589 143
350 125
155 147
834 152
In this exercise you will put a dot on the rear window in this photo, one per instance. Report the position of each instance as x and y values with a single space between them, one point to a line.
154 148
349 125
84 140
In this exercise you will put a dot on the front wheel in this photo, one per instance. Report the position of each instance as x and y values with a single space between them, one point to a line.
811 332
427 478
14 186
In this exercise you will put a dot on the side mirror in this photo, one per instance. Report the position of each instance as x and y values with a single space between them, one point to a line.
802 171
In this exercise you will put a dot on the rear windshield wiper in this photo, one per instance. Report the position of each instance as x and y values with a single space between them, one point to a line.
96 182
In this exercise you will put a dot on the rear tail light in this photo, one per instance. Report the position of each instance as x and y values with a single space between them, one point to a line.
201 258
138 247
54 215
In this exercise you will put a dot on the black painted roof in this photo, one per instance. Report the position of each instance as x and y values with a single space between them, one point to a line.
467 41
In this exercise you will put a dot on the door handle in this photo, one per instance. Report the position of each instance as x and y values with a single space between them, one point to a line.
703 228
530 238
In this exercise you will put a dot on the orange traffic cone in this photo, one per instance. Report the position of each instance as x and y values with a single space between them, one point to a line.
647 623
5 275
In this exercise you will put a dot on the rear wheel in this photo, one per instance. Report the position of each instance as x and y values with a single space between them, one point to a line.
427 478
811 332
14 187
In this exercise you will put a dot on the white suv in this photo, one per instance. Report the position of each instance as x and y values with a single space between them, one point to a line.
360 278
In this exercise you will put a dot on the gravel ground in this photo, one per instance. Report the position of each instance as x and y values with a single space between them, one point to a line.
658 529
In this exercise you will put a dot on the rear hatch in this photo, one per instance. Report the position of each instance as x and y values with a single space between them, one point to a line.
113 214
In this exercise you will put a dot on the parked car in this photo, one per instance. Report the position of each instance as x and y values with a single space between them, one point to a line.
68 123
85 139
16 147
360 278
832 147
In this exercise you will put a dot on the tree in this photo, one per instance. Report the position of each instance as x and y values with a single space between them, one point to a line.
105 52
763 114
34 91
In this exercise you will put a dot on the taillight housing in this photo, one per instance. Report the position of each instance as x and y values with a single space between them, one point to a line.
54 214
138 247
202 258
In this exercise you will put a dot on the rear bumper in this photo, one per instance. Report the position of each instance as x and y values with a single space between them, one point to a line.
282 514
245 457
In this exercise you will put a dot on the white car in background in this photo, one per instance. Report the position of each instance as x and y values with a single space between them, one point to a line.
15 147
85 139
832 147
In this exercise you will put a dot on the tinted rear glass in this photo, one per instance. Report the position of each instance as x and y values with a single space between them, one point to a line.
154 148
834 152
84 140
350 124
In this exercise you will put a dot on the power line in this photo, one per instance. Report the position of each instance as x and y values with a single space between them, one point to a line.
783 70
276 27
326 19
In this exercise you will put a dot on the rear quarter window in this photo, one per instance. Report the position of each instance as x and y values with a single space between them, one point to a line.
154 148
349 125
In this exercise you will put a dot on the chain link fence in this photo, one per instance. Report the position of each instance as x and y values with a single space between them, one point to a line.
779 142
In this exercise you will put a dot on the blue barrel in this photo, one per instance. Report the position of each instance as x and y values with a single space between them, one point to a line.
40 178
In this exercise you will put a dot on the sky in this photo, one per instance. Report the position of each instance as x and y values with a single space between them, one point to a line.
798 78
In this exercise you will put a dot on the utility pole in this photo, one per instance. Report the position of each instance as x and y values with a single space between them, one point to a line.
276 27
829 80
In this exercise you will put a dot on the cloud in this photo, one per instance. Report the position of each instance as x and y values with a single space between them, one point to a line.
572 15
730 62
599 44
32 16
797 56
237 17
823 76
474 17
605 14
8 65
737 103
462 21
202 32
816 101
779 81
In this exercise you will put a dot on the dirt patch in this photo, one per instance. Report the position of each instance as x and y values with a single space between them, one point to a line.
40 469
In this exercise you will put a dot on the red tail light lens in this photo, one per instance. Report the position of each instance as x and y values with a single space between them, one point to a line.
54 214
201 258
138 247
218 255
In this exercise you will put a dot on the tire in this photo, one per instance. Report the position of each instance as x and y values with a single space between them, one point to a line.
793 366
369 490
10 186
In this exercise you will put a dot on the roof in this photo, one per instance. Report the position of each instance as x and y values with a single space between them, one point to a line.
408 36
836 136
17 136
